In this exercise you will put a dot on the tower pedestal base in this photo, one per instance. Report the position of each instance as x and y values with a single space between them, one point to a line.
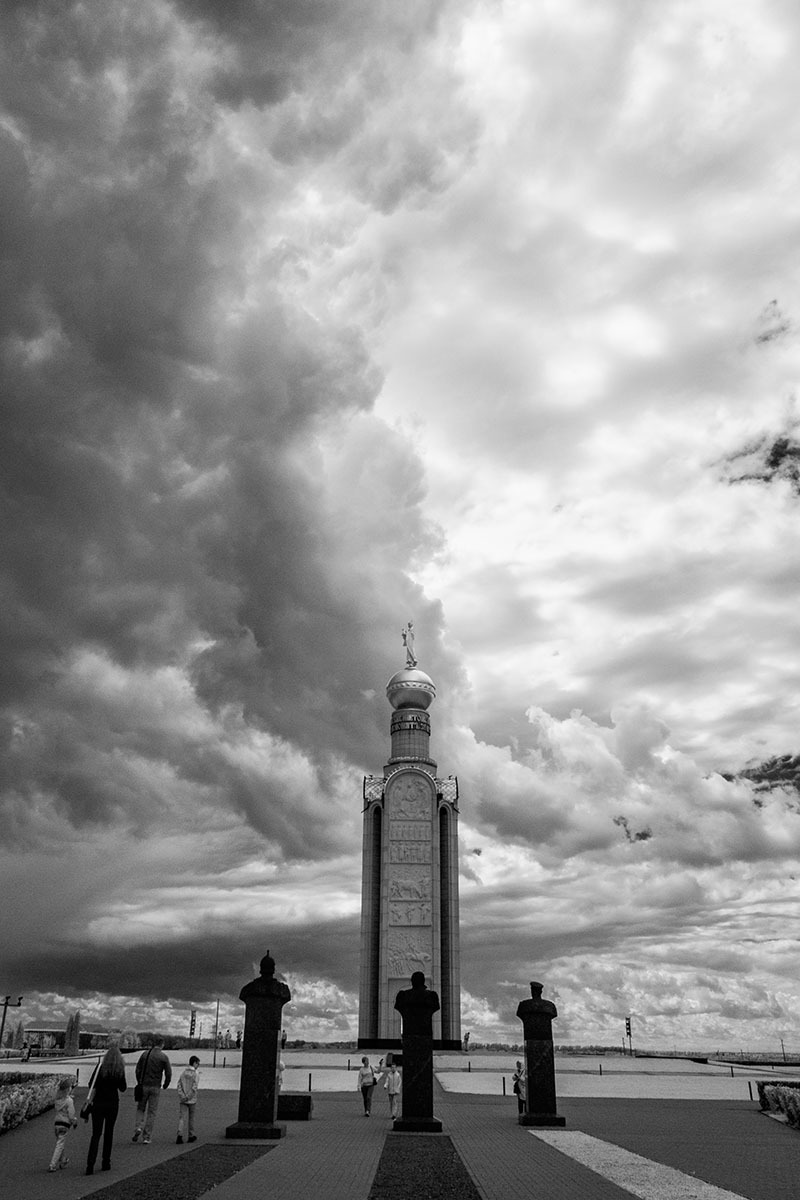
541 1119
376 1043
255 1130
417 1125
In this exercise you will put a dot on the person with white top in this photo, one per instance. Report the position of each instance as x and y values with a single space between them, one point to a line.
366 1084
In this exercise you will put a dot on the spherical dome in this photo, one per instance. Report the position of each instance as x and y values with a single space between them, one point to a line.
410 688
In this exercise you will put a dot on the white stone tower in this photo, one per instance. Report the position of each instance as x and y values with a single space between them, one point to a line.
409 896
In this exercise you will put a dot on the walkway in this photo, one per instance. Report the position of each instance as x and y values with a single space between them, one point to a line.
729 1145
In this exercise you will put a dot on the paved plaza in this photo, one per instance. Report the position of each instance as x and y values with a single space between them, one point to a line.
676 1149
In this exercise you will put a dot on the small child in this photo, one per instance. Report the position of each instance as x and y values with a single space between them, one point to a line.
393 1083
187 1100
65 1121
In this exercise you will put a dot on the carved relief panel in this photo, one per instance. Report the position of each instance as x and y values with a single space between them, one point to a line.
410 810
409 951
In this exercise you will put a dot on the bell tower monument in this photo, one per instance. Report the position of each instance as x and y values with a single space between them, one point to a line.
409 890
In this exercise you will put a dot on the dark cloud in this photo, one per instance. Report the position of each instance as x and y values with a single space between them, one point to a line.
782 771
162 489
770 459
196 967
205 535
271 48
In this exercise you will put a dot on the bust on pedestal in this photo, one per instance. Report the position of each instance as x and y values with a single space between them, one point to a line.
537 1017
263 999
416 1006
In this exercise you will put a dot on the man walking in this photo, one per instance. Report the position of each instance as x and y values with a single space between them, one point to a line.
152 1065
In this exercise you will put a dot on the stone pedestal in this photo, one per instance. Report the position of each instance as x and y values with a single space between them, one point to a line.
416 1006
295 1106
537 1017
416 1098
264 999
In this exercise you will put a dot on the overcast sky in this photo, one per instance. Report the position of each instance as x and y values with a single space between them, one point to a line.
318 316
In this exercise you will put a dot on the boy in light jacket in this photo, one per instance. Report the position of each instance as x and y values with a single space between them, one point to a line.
187 1100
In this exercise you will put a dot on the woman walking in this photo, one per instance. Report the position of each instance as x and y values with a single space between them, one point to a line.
366 1085
519 1086
109 1082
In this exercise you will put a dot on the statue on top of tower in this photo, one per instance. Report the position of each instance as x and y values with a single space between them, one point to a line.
408 642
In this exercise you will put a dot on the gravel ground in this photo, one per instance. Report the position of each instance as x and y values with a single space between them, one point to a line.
425 1167
186 1176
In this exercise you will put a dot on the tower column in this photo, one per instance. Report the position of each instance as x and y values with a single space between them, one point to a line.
409 896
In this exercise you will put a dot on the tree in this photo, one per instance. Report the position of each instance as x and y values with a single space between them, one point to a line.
72 1037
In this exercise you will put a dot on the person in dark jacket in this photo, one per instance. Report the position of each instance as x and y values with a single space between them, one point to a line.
152 1065
108 1083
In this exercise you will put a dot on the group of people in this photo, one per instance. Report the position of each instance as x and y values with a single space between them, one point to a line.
153 1075
368 1079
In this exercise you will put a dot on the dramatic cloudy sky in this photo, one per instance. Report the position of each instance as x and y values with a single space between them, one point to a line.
318 316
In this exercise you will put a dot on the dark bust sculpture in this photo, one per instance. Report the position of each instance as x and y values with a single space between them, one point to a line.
263 999
266 985
537 1015
416 1006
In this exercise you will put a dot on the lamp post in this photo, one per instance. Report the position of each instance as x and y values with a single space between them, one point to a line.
216 1035
7 1004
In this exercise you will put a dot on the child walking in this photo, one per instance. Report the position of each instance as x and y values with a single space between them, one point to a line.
393 1083
65 1122
187 1100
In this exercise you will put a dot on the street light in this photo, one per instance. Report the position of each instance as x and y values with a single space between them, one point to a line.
6 1006
216 1035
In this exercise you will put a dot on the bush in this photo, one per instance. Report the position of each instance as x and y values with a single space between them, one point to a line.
767 1094
23 1095
782 1098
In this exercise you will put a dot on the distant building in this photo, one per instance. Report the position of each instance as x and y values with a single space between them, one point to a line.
46 1040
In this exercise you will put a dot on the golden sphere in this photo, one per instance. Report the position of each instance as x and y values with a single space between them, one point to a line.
410 688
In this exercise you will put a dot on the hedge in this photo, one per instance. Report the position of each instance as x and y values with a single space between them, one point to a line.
24 1095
